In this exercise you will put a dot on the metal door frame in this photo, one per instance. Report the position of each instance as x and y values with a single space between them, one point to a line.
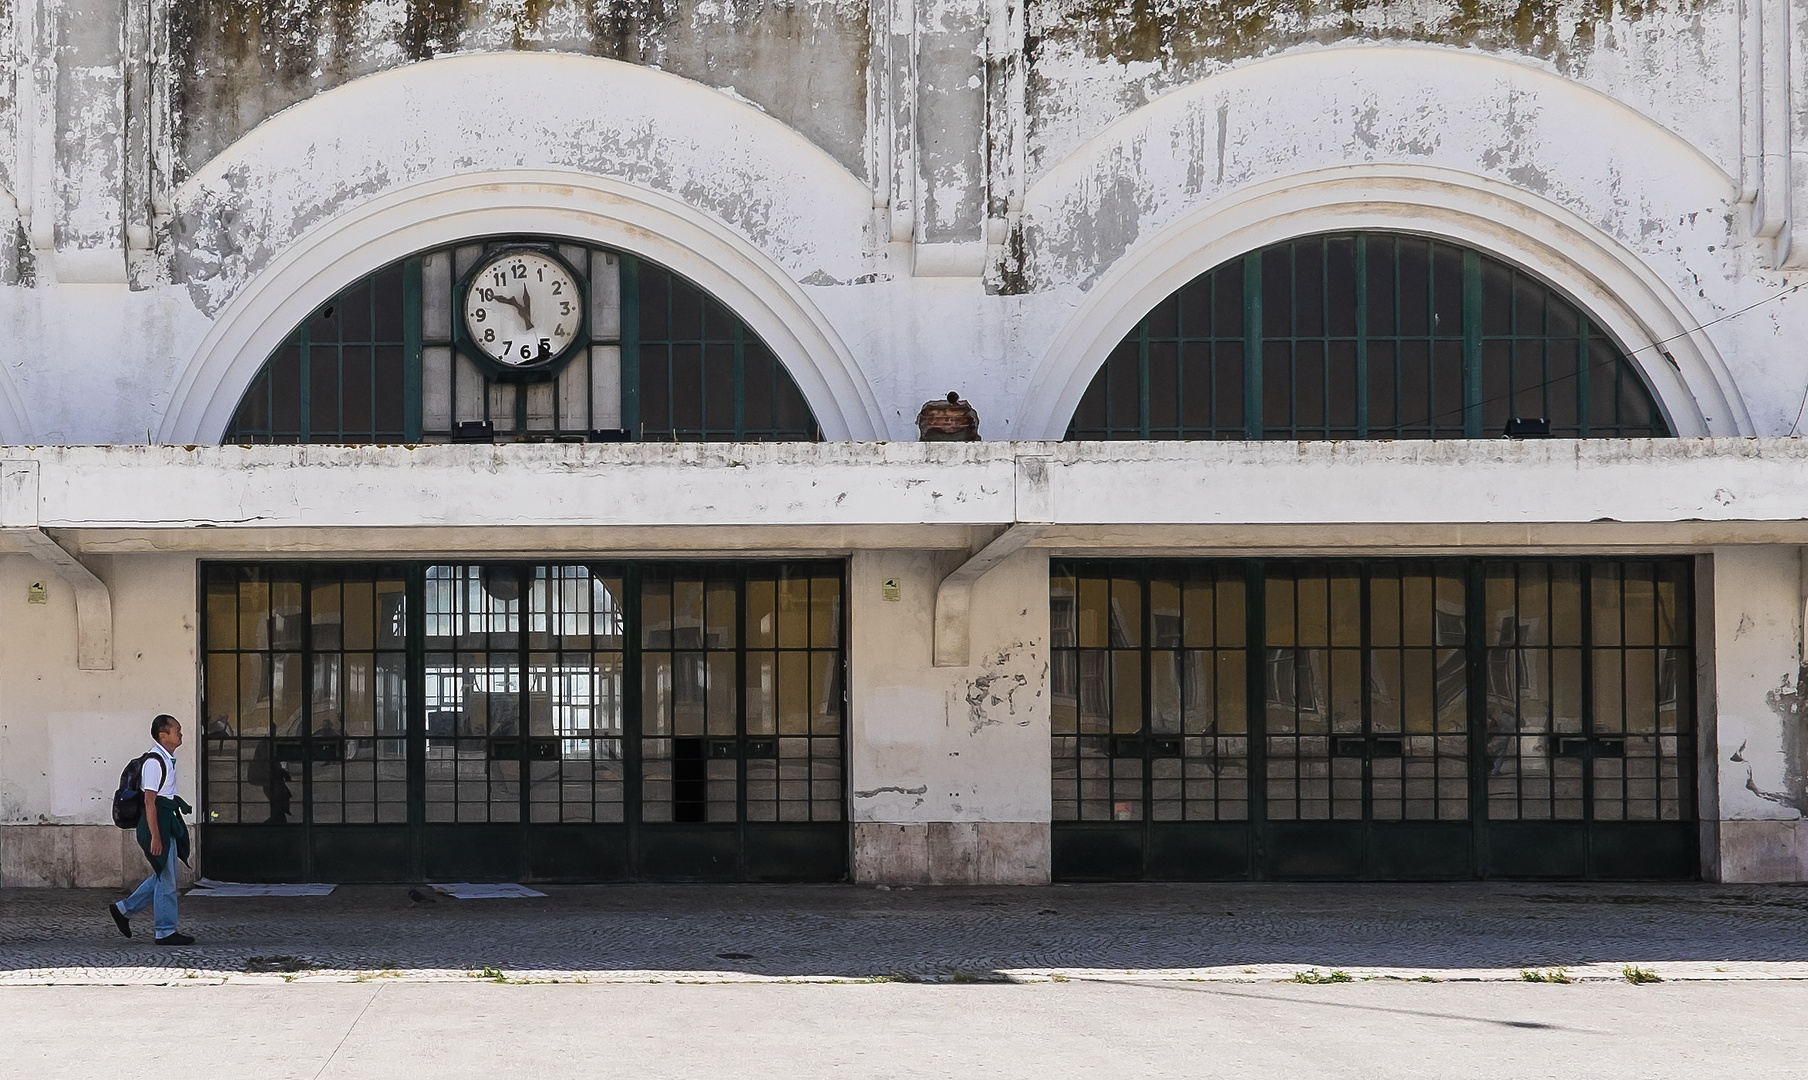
1130 851
398 852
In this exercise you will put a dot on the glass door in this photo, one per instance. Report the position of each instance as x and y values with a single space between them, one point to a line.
524 721
1400 720
1366 720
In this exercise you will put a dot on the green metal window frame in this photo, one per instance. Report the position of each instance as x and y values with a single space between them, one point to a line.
1365 335
699 373
744 779
685 367
1555 732
348 374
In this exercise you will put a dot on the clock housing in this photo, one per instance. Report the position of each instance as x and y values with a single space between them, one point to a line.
521 312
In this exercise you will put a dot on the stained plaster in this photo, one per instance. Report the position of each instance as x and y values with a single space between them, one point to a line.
596 117
90 125
803 61
1671 207
1094 61
1763 750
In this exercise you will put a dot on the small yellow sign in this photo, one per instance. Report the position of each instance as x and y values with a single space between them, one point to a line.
35 593
890 592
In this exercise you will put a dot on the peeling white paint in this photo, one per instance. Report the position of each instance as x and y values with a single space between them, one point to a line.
904 197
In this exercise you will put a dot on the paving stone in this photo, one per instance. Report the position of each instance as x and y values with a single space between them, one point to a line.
1249 931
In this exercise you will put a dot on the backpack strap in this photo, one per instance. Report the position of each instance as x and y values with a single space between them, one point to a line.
162 769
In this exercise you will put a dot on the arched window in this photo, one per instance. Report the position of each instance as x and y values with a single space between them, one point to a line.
1365 336
651 357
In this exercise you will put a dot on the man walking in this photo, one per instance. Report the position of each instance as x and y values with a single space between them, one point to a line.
162 834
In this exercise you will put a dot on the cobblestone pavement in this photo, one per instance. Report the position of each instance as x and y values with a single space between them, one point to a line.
1248 932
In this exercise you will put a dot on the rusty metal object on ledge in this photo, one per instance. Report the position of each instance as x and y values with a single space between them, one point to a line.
952 420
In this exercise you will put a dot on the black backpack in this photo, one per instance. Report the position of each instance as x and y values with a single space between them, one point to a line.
128 801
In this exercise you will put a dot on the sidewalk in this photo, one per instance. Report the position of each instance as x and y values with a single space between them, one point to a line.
750 933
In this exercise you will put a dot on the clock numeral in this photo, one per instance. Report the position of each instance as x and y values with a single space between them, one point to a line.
506 346
500 279
560 331
520 271
527 352
480 314
564 305
558 287
545 346
489 333
540 273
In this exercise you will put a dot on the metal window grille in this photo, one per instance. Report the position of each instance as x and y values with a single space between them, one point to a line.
1387 690
1590 698
523 693
549 693
305 695
665 361
342 376
701 375
1364 335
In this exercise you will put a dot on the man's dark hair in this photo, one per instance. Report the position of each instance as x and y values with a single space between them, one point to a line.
160 725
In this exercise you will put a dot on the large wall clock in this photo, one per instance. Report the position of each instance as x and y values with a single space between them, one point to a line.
521 311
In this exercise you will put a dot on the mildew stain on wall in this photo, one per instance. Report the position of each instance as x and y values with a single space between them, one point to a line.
802 61
1092 61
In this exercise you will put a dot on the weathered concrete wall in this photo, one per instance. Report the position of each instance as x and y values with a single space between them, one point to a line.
66 733
902 197
803 61
984 203
1762 747
950 771
1093 62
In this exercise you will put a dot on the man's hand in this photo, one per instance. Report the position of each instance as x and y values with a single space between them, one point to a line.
156 845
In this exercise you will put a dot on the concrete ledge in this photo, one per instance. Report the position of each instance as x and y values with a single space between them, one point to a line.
1753 852
1730 488
951 853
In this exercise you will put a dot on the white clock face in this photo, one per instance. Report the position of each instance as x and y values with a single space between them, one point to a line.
523 308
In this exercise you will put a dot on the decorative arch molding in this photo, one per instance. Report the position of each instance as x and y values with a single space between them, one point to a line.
587 208
611 153
1686 372
1498 154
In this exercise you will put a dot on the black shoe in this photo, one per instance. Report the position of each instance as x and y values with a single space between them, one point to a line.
175 939
120 920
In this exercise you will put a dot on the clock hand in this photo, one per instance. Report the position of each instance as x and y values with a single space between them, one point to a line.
526 307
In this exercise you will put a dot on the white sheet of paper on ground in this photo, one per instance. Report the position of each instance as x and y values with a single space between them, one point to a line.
465 890
209 887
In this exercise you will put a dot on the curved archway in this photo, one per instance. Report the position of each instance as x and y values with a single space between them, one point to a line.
613 154
1366 335
586 208
1679 362
1582 190
633 352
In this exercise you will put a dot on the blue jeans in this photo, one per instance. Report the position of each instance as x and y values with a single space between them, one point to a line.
158 891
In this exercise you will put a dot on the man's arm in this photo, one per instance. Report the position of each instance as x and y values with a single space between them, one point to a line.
150 816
